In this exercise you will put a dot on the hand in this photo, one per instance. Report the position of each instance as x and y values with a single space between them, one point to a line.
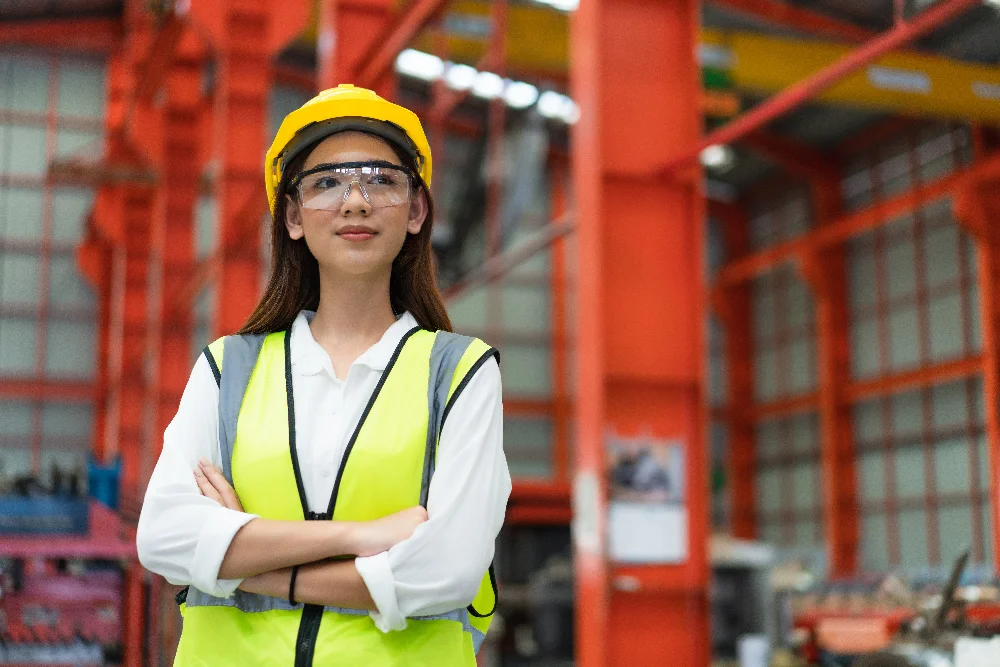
213 484
374 537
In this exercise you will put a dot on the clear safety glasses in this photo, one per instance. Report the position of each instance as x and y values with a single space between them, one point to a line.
327 186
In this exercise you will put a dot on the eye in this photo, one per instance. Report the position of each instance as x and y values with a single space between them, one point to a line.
383 178
325 182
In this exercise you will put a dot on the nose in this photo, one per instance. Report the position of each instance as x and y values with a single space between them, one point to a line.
355 202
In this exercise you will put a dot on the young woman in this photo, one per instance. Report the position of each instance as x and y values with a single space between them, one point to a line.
333 482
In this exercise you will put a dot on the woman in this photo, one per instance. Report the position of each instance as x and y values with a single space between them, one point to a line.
343 401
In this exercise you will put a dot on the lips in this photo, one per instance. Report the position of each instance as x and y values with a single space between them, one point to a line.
356 232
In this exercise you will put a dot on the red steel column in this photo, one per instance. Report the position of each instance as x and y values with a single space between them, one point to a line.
241 111
977 205
345 34
186 110
246 34
826 273
642 304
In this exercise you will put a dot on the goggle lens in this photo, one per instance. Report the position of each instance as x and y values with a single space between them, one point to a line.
328 188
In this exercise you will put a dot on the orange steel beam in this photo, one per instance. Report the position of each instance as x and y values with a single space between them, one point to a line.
877 133
796 18
504 263
799 93
129 209
853 224
639 352
732 307
539 503
530 515
865 389
184 113
297 77
826 273
977 205
785 407
159 56
383 49
96 35
345 41
798 159
245 36
33 389
920 377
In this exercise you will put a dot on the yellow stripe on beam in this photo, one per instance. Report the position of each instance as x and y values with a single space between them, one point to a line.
904 83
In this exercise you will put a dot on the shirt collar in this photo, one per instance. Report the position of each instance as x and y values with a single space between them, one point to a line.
310 358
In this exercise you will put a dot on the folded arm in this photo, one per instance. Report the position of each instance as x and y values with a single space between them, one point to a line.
328 583
190 538
440 567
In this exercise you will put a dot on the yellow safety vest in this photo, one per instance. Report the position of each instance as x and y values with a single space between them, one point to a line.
387 467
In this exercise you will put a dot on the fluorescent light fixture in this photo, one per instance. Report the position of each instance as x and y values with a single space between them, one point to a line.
557 106
419 64
488 86
563 5
716 55
520 95
986 91
460 77
894 78
550 104
995 3
718 157
570 111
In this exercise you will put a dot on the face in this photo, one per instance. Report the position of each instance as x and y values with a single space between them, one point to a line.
356 239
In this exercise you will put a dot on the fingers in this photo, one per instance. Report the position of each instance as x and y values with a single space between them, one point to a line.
206 487
221 485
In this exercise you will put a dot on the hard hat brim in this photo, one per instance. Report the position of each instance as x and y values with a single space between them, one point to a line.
315 132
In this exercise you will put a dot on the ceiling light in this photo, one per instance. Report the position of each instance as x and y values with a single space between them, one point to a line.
419 64
520 95
460 77
570 111
565 5
488 86
718 157
550 104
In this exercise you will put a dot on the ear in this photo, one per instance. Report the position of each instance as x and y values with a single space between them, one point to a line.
293 219
418 212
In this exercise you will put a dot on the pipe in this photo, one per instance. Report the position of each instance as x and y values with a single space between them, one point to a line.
500 265
796 94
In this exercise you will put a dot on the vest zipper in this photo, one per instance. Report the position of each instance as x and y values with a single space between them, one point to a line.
312 614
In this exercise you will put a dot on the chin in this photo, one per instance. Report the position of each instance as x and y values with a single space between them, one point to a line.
358 264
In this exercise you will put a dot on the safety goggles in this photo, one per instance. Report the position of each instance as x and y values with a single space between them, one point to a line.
327 186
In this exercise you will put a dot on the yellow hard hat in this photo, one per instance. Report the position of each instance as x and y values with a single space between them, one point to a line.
336 110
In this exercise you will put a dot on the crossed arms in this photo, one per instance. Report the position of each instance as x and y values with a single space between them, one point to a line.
264 551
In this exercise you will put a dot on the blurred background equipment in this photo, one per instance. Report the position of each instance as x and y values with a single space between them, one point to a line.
740 259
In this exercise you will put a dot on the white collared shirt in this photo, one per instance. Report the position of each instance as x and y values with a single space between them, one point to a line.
184 536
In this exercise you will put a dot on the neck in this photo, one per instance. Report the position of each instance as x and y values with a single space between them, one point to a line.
353 310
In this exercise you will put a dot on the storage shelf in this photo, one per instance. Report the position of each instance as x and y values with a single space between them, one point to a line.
104 541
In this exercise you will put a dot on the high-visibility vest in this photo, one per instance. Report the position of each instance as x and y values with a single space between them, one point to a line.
387 467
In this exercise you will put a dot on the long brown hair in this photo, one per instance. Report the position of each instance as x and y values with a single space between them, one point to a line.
293 284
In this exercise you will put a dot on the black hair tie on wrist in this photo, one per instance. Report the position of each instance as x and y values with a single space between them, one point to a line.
291 586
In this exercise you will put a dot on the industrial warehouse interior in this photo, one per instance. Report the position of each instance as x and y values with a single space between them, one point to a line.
740 260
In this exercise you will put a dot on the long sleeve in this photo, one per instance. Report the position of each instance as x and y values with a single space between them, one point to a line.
183 535
439 568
